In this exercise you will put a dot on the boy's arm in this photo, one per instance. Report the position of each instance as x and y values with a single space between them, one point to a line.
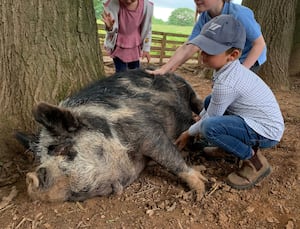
221 98
253 34
258 46
181 55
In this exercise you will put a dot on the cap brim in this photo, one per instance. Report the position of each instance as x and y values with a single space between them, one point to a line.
207 45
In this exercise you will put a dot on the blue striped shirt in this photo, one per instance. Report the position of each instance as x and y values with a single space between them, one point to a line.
239 91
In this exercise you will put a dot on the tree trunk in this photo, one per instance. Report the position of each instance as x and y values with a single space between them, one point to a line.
48 49
277 19
294 66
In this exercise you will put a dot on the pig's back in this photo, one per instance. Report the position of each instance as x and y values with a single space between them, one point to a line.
125 87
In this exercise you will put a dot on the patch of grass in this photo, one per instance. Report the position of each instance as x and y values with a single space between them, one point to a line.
172 29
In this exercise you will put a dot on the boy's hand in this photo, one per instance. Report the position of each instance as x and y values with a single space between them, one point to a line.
196 118
160 71
182 140
108 20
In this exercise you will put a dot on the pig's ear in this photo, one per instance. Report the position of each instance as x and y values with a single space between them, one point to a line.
27 140
55 119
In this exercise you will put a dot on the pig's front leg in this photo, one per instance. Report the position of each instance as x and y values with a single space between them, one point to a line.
159 147
195 181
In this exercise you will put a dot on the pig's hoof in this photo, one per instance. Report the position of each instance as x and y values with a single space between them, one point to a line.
195 181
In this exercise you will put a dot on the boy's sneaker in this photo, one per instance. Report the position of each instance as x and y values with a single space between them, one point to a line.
252 171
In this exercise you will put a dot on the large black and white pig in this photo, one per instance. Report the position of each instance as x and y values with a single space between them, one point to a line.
99 140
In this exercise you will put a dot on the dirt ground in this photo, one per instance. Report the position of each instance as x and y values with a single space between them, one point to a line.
159 200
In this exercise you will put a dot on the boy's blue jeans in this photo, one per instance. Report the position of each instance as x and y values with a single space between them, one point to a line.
232 134
121 66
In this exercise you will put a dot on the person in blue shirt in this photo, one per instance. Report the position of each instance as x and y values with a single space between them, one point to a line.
255 52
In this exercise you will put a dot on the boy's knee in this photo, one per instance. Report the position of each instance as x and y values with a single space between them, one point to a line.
207 128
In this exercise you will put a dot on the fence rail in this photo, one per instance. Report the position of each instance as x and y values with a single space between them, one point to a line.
163 44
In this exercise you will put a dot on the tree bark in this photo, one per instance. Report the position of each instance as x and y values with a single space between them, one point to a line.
48 49
294 65
277 19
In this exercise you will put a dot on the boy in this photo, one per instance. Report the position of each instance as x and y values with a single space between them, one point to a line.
253 118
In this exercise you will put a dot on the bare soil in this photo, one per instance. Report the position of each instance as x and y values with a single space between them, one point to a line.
159 200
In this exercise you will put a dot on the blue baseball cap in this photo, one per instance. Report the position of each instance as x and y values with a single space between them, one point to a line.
220 34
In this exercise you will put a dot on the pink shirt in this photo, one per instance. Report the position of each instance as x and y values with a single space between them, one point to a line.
128 46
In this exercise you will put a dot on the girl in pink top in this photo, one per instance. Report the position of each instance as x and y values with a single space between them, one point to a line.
128 26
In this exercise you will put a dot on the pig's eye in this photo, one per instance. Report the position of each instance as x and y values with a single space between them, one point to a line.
51 147
71 155
51 150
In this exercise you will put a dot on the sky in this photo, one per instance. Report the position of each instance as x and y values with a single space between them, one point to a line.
164 8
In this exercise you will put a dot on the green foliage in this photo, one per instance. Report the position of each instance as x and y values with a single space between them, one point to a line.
157 21
182 16
98 6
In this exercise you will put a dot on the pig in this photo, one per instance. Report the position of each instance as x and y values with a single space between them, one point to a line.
98 141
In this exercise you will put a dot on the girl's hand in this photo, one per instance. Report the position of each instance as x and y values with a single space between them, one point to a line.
108 20
147 55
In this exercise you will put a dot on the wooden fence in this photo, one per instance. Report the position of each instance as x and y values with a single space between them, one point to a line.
163 45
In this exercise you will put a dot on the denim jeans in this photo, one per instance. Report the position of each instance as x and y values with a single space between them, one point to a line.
232 134
121 66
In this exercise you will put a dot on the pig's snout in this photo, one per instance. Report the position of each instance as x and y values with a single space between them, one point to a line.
32 180
38 178
39 186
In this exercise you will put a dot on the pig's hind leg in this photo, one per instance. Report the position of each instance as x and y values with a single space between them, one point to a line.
159 148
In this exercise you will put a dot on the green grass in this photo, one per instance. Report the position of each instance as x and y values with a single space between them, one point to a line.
172 29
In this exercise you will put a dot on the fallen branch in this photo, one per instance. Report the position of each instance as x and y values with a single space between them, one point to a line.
7 199
8 181
80 206
214 188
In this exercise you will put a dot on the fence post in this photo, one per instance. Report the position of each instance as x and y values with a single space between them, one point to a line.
163 48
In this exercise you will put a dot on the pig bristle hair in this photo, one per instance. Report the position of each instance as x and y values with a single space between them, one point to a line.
84 170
